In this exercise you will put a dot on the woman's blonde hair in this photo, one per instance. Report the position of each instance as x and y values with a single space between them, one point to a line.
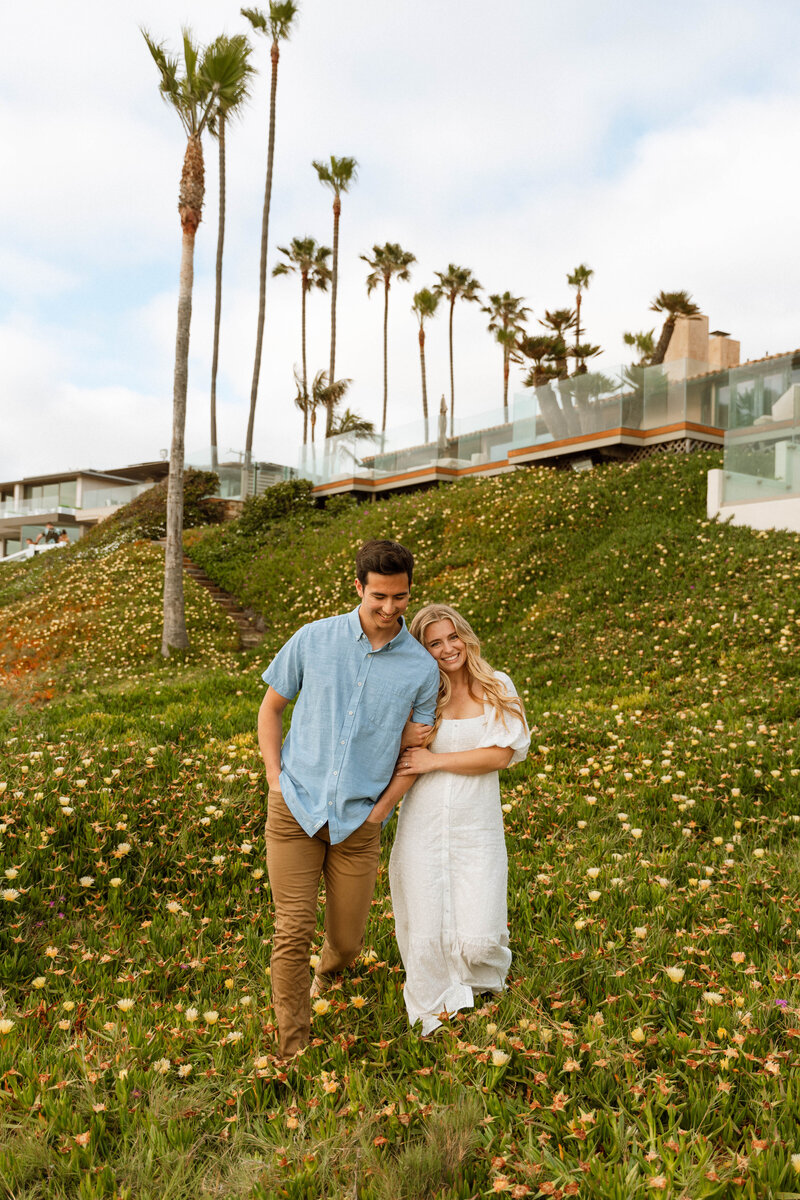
478 669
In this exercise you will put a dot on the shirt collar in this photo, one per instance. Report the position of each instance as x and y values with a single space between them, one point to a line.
354 625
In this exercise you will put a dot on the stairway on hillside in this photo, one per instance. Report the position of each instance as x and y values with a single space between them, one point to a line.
249 636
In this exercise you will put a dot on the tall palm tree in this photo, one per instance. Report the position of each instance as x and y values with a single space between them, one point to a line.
579 279
353 422
275 24
338 175
424 307
310 262
674 304
193 95
506 320
387 261
232 67
456 283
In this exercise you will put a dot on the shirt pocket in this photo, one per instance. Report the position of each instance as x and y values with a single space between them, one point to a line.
389 708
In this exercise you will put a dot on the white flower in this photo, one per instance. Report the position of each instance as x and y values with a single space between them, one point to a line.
6 1025
162 1066
758 852
258 873
173 906
234 1036
246 848
621 816
640 931
594 895
676 974
185 1070
636 833
12 873
86 881
499 1058
115 882
39 981
593 872
218 860
712 997
126 1004
796 1163
191 1014
638 1034
211 1017
10 894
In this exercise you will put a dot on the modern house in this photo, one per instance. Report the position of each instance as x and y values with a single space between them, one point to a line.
71 500
629 413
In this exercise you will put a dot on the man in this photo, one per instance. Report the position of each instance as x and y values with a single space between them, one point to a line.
49 533
359 676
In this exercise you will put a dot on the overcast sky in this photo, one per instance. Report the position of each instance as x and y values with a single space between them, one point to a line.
656 144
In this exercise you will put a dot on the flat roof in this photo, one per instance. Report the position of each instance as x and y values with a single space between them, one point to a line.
131 474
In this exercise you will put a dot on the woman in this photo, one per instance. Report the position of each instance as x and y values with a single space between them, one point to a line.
448 870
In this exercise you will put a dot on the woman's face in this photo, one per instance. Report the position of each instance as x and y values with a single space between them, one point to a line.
442 641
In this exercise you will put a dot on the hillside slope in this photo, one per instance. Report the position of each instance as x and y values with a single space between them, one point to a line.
647 1041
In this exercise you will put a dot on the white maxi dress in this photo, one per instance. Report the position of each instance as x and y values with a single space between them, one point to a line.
448 874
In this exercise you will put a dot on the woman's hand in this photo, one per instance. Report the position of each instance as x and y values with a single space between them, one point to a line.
416 760
415 734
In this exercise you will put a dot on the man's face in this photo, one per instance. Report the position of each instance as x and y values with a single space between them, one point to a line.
384 598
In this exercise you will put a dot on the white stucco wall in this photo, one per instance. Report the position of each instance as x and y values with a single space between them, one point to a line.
757 514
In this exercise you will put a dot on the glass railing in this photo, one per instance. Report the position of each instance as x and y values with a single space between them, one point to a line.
32 508
112 497
568 411
762 444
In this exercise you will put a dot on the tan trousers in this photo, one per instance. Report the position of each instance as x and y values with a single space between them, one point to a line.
295 863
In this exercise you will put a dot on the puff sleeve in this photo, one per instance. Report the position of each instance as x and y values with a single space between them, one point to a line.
508 730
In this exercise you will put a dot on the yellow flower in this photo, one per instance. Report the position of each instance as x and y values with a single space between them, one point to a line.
39 981
115 882
593 872
261 1063
676 974
358 1001
594 895
638 1034
211 1017
68 1005
320 1007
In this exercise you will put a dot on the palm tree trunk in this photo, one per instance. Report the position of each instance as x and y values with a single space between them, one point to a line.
337 209
452 377
218 297
663 341
262 283
385 352
577 327
506 368
190 207
424 380
174 633
303 279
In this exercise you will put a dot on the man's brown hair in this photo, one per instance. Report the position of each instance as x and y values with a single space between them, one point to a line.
384 558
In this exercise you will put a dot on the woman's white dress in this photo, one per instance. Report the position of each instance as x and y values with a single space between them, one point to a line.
448 874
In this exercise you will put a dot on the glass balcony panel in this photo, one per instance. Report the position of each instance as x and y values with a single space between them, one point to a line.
762 446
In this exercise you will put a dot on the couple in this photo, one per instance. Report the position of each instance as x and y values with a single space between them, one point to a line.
352 752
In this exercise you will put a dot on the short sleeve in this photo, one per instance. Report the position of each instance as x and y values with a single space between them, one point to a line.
425 700
508 729
285 672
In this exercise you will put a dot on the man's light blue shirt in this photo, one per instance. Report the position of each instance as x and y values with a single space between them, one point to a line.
341 749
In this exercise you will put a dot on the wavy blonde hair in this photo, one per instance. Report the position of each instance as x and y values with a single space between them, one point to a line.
478 669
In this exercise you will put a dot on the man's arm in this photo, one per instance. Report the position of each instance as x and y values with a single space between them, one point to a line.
397 788
270 734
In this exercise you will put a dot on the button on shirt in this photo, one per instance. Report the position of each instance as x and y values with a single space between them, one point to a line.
341 749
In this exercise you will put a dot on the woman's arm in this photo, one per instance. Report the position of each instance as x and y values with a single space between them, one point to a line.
461 762
398 786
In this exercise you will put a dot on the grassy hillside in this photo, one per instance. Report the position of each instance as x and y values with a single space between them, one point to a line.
647 1041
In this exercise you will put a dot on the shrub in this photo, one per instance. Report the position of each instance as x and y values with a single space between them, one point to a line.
146 516
293 497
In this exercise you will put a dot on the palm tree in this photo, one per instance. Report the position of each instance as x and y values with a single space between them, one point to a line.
275 24
352 422
579 279
193 95
387 260
338 175
674 304
559 321
424 307
456 283
308 260
644 344
506 319
233 66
